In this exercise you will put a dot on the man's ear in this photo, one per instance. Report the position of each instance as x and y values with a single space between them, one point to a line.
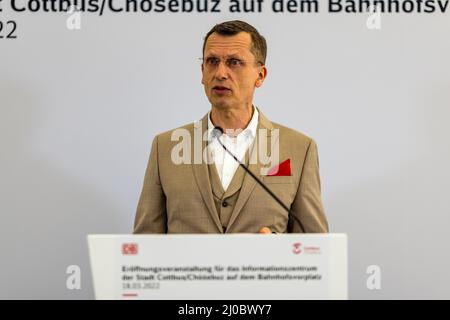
201 66
261 76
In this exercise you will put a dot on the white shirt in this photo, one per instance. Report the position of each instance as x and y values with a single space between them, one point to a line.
225 164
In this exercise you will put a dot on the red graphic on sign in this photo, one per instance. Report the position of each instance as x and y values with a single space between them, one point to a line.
129 248
297 248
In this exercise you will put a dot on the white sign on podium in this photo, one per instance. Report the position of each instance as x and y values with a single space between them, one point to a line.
210 267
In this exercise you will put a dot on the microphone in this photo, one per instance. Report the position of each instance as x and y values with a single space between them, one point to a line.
216 133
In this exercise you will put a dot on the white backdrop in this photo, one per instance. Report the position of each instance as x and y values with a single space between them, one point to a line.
78 111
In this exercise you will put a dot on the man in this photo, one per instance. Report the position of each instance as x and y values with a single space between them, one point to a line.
217 195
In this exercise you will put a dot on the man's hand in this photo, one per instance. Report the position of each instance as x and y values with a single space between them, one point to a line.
265 230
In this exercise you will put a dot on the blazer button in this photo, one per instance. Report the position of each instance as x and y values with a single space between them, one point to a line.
224 204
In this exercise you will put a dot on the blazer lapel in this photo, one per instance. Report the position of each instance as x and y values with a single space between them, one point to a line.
201 172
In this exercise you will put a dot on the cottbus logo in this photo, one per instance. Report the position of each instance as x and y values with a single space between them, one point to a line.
129 248
297 248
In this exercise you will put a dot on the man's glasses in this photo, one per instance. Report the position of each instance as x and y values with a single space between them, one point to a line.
231 63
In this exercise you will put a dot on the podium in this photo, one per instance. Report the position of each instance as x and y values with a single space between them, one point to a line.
219 267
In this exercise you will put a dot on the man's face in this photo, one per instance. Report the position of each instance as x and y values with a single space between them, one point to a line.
230 72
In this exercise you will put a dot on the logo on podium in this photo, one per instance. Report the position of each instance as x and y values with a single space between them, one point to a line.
297 248
129 248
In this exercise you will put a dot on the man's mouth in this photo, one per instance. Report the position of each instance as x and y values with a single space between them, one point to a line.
221 89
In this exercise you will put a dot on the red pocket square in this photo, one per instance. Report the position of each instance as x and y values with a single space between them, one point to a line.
282 169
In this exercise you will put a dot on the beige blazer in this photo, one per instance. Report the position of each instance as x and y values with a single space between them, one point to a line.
177 198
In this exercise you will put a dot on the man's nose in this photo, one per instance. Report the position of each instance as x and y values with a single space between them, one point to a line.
221 71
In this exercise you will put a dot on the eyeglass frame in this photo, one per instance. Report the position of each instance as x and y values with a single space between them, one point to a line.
227 62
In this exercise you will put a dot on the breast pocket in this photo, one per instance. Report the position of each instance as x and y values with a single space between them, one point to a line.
277 179
283 187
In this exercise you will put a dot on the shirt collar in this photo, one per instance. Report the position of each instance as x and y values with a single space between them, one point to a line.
249 131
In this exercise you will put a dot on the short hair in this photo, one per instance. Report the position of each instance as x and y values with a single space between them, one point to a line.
230 28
